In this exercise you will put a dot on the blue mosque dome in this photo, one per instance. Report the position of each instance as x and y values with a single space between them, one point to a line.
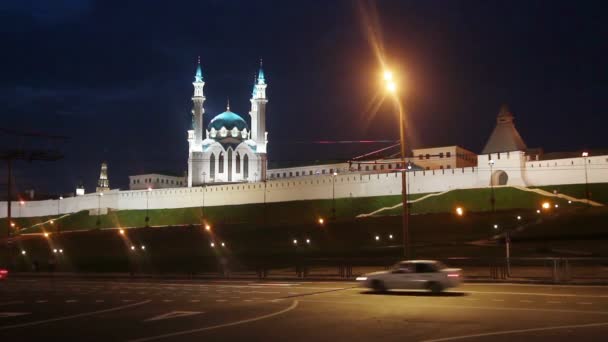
229 120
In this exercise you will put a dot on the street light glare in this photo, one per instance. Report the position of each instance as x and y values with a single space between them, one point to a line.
122 232
546 205
207 227
388 75
321 220
46 234
459 211
585 154
391 87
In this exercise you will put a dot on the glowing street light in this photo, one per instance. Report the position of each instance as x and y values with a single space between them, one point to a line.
546 205
55 250
60 251
121 231
557 206
321 221
46 235
23 252
390 236
132 248
388 75
143 248
538 211
223 244
308 241
295 242
391 88
377 238
518 217
207 227
459 211
212 245
495 226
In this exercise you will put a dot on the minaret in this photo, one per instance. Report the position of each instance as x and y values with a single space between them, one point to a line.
103 184
197 110
258 118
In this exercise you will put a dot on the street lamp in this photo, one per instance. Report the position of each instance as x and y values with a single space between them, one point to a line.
99 209
148 205
58 213
492 198
391 88
203 207
585 155
333 196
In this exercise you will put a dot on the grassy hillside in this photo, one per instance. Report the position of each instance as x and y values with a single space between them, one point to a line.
296 212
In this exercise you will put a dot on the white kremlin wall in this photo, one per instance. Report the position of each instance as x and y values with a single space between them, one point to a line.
514 164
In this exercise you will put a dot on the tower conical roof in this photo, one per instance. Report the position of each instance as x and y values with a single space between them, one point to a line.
198 77
505 137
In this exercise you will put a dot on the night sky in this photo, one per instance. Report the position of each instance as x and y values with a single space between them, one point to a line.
116 77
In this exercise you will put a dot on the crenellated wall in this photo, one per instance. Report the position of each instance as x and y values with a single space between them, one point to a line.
518 172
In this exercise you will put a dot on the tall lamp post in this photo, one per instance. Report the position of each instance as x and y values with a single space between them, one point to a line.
333 196
58 213
391 88
148 205
204 190
99 209
585 155
492 198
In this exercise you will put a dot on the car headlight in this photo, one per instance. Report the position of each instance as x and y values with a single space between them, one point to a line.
361 278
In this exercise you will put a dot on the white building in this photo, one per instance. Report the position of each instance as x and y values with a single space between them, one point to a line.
229 151
155 181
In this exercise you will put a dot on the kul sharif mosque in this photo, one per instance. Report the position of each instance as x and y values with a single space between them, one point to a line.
227 150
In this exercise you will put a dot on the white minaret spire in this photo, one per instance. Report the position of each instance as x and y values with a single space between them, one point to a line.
258 118
195 133
197 110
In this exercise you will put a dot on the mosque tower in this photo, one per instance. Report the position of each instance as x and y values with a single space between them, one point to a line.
197 110
103 184
258 119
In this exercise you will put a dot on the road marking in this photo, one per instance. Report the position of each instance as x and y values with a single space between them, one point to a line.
273 284
519 331
537 294
13 314
186 332
584 303
173 314
6 327
498 300
554 302
167 300
247 300
220 300
71 301
471 307
526 301
127 300
99 301
195 300
42 301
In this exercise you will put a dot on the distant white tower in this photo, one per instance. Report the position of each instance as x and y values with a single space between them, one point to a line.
258 120
195 134
103 184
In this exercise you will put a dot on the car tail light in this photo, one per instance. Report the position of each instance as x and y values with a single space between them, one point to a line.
453 275
4 272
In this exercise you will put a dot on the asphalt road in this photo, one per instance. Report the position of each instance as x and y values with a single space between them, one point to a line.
88 310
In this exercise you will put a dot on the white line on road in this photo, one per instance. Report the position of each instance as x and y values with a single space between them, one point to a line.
584 303
519 331
6 327
71 301
471 307
536 294
526 301
186 332
41 301
554 302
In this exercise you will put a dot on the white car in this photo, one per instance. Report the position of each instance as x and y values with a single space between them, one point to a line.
413 275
